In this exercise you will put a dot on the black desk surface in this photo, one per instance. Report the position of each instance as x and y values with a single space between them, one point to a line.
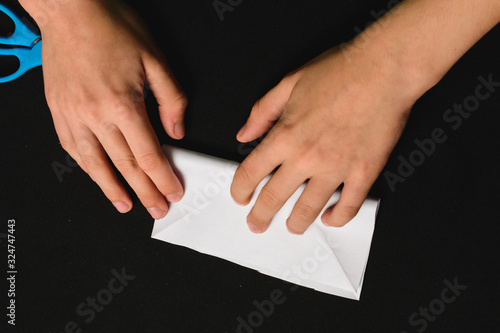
441 224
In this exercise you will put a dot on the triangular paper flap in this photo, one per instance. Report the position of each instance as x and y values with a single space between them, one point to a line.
351 243
309 260
319 275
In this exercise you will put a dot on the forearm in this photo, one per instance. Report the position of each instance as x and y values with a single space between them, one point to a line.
424 38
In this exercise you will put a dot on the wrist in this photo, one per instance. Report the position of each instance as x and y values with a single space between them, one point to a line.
416 73
377 63
58 12
385 54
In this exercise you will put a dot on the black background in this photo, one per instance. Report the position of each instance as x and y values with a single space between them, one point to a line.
441 223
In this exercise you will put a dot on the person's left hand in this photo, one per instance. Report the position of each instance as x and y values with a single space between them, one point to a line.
338 119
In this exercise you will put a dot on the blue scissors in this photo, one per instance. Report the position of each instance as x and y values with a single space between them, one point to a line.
24 44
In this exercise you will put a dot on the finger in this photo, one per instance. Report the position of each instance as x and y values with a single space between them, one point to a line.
314 198
119 151
168 93
66 138
272 197
63 129
93 159
141 140
260 163
352 197
267 110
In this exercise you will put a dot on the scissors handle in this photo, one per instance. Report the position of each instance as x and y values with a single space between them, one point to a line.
23 35
28 59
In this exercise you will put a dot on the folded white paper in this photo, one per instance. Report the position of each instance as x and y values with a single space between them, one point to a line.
331 260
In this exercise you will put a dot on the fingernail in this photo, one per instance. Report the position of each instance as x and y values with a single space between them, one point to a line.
122 207
174 197
241 204
156 213
291 231
242 130
294 232
323 221
254 229
179 130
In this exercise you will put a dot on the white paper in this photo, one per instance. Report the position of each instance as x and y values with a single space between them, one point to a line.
331 260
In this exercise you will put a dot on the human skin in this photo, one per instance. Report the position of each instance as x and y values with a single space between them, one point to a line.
339 117
96 57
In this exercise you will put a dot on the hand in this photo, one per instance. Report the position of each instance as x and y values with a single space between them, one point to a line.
96 58
338 119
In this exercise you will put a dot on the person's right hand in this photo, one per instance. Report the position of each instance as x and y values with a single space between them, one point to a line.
96 58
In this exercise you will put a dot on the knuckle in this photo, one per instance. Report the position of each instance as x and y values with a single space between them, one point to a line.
126 165
268 198
112 192
304 212
242 176
150 200
180 102
304 164
295 227
365 172
256 108
347 213
258 221
89 114
67 145
91 162
121 110
106 127
122 104
149 162
85 147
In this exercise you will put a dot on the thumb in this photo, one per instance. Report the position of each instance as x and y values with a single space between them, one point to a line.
267 110
169 95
